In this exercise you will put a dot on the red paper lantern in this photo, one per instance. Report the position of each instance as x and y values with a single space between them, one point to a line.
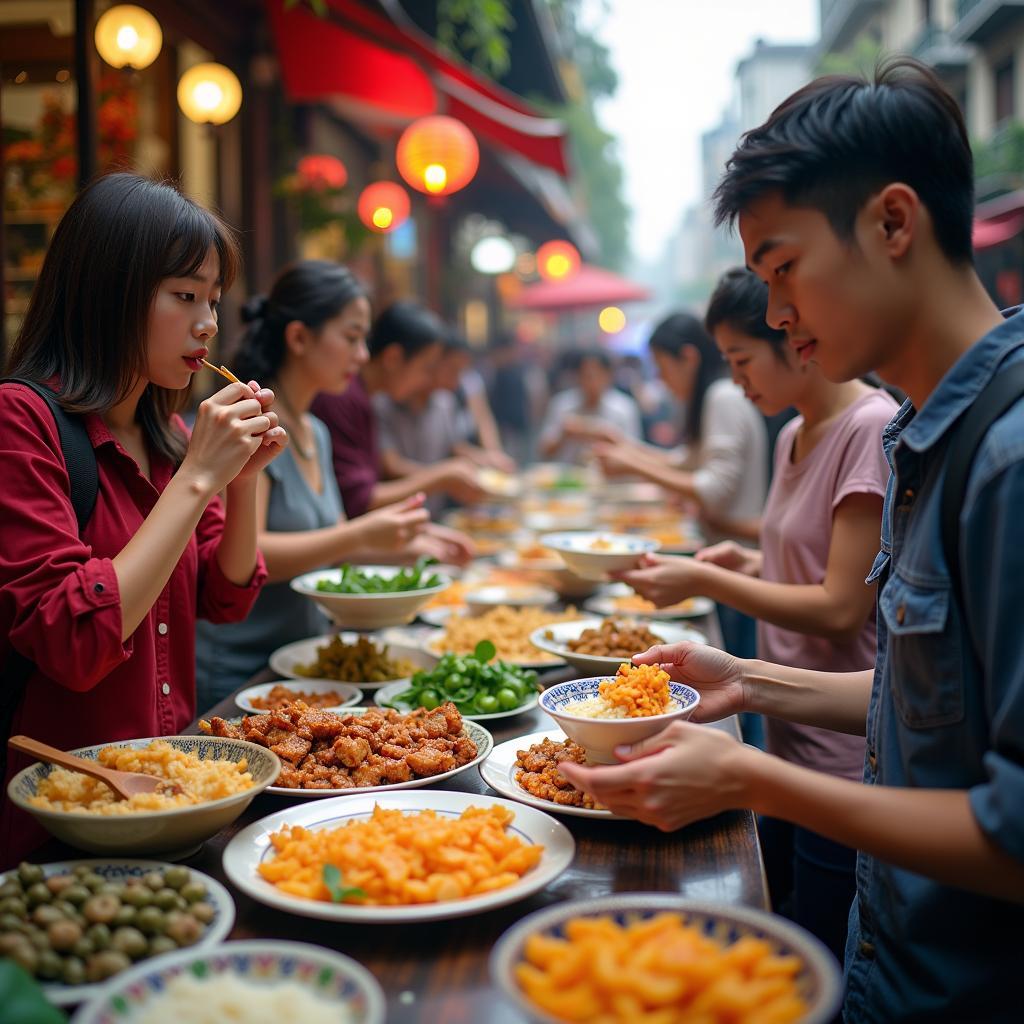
557 260
437 155
320 171
383 206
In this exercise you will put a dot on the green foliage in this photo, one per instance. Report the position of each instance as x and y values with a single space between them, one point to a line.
860 59
1001 157
477 30
595 152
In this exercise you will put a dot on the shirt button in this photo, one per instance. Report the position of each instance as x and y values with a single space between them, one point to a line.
166 689
866 950
908 495
98 588
901 613
162 629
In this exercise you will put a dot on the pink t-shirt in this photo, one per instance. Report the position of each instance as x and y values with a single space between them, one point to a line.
796 533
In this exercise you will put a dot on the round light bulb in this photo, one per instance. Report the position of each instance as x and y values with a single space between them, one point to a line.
128 36
382 218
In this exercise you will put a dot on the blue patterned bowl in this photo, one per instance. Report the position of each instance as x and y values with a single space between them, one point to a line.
600 736
336 979
818 982
174 833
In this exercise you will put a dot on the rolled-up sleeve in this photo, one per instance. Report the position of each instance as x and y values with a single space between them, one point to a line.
55 597
220 600
995 595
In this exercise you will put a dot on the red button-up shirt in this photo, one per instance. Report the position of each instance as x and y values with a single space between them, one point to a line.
60 605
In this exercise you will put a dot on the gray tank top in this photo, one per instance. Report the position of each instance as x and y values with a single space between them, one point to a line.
229 654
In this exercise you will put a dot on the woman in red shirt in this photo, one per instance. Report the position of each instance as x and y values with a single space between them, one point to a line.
121 317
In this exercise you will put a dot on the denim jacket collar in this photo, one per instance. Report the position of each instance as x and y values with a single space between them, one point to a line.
960 386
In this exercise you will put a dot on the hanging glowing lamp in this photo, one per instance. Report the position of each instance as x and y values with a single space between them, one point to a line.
611 320
557 260
493 254
209 94
128 36
437 155
320 171
383 206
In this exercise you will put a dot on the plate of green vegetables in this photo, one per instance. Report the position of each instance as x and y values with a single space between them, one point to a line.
480 687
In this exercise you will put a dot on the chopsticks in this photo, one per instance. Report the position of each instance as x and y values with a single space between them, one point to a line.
222 370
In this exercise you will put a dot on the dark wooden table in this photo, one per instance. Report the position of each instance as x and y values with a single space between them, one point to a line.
437 972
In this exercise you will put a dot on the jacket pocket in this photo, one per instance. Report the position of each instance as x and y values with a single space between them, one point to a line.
924 653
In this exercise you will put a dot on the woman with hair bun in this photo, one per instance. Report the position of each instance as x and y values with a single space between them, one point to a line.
309 337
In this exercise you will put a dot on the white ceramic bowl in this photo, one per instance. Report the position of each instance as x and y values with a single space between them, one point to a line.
173 833
368 611
486 598
561 633
333 977
585 554
819 981
348 693
600 736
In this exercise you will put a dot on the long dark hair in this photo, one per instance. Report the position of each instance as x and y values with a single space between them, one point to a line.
312 292
87 321
671 336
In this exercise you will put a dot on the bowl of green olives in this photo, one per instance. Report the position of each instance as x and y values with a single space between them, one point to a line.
74 924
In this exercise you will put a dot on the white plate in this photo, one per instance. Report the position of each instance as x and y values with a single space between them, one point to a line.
439 616
303 652
477 733
349 693
499 769
252 846
604 604
593 664
386 693
336 979
433 646
117 869
594 563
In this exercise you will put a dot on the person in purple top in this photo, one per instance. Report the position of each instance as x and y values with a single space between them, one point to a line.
406 344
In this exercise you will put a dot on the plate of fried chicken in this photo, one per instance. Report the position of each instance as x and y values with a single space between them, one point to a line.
360 750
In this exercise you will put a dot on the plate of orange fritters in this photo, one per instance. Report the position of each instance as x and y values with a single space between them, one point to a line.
360 750
526 769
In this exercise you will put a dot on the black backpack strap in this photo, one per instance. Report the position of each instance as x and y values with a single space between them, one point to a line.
83 477
1005 388
79 456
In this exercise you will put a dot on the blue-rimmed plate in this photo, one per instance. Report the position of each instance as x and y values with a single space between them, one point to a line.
334 979
818 982
252 846
120 870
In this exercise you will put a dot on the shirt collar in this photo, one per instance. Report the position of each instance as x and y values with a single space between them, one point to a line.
961 385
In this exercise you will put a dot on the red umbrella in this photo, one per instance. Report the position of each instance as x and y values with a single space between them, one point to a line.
589 286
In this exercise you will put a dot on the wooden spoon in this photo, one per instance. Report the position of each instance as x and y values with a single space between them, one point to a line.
124 784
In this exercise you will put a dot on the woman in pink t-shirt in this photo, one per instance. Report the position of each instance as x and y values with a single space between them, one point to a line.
819 534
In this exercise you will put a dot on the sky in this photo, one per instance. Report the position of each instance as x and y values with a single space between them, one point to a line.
676 61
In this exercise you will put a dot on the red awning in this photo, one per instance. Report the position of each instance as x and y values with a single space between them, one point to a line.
987 233
589 286
394 74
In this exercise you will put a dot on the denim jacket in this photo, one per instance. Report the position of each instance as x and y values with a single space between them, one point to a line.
937 719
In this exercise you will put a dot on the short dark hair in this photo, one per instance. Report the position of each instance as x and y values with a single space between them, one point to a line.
841 139
594 355
87 321
671 336
407 324
310 291
740 301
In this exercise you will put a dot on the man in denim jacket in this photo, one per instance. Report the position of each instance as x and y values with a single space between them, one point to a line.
855 205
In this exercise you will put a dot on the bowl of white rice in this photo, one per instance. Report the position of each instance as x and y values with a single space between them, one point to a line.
259 981
599 727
